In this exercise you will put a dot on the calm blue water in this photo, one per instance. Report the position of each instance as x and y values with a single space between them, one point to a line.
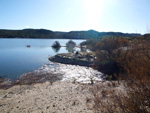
16 58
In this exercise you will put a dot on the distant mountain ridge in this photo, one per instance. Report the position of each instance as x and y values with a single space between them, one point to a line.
43 33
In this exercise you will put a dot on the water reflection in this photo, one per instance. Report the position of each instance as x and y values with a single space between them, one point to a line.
16 58
56 49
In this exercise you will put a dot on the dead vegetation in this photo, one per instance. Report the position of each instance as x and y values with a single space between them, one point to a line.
134 81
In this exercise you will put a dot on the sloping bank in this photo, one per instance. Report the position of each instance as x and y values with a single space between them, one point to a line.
61 72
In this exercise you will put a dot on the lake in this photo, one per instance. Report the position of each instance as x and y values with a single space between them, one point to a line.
16 58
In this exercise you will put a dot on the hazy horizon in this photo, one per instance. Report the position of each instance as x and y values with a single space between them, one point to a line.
76 15
71 30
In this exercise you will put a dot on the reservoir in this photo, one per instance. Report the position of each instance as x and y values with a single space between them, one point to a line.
19 56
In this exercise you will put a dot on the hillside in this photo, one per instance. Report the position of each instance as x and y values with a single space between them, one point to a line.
43 33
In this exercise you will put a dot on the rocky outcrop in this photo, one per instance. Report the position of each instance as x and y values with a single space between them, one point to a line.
78 58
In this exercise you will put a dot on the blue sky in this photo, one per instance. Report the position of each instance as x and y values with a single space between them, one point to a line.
128 16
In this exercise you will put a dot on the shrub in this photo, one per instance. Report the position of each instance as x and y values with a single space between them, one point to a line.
70 45
108 51
136 96
56 44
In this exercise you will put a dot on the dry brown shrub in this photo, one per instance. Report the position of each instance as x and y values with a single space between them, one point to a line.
136 96
105 98
107 52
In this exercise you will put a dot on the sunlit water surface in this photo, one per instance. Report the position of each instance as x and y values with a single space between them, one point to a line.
16 58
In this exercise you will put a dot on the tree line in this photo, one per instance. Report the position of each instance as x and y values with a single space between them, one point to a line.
43 33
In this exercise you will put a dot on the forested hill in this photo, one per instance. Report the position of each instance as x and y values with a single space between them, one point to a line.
43 33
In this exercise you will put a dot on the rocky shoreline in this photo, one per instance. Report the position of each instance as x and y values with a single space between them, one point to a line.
62 67
53 72
55 87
